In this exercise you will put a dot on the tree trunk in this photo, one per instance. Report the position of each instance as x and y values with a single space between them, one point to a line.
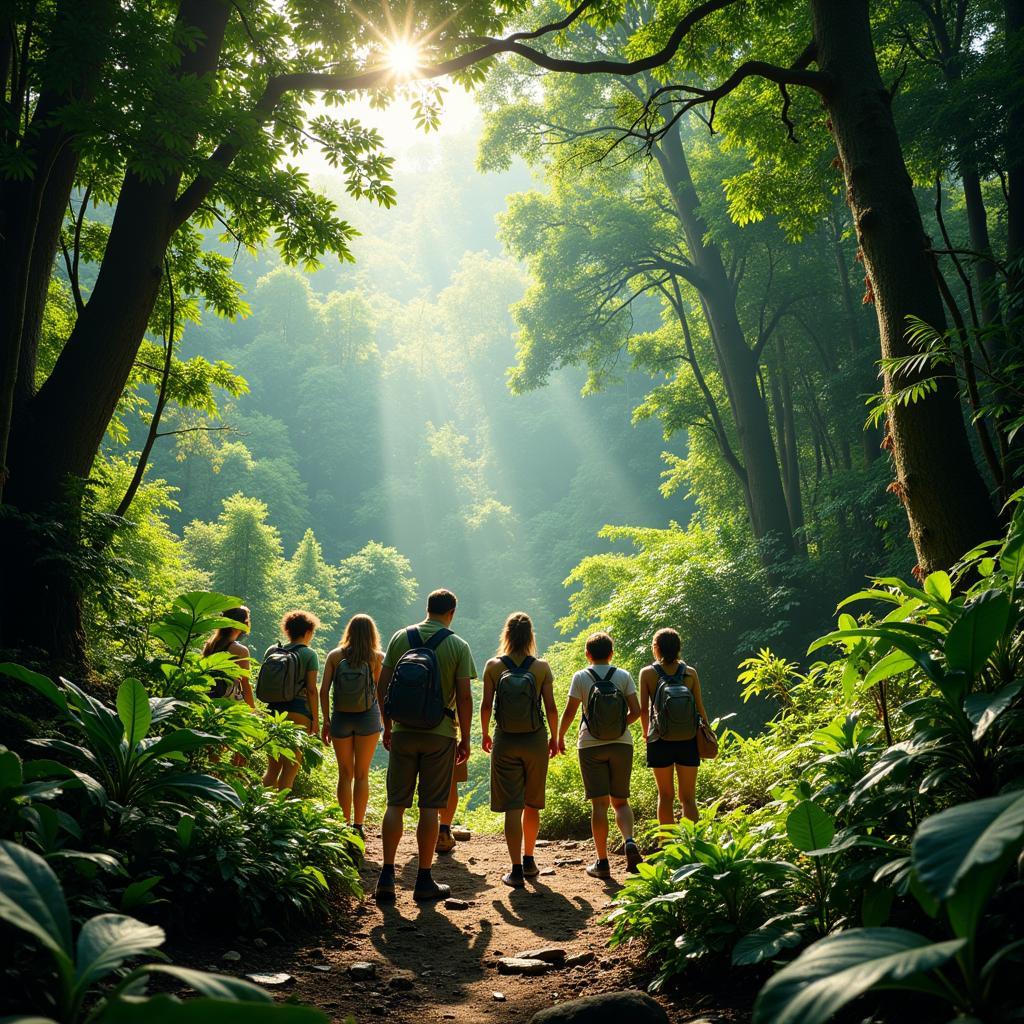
1014 27
947 504
737 364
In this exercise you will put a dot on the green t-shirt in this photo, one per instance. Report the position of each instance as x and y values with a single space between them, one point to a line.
454 661
307 663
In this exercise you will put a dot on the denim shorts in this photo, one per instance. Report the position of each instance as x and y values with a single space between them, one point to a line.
297 706
356 723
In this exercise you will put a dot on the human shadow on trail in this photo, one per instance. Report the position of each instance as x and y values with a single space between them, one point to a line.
544 912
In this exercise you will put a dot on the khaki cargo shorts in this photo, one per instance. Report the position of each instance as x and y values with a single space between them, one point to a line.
519 770
422 756
606 770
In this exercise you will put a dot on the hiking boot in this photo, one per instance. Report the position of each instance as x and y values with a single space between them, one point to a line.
530 869
445 841
599 869
384 891
633 857
359 832
514 879
431 891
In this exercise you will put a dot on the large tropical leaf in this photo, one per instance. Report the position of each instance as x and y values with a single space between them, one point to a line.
106 941
973 637
167 1010
41 684
31 898
133 710
961 854
984 708
215 986
839 968
195 782
182 741
809 827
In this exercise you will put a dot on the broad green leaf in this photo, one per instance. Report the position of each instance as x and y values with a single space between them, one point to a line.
839 968
106 941
133 710
202 785
136 894
984 708
961 854
892 664
31 898
167 1010
939 586
200 604
974 635
40 683
184 830
10 769
215 986
765 942
809 827
182 741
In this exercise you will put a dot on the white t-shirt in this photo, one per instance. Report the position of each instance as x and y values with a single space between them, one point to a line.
582 681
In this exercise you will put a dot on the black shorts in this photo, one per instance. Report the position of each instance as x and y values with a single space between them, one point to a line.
666 753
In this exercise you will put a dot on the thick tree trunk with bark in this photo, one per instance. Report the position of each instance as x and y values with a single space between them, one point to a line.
947 503
737 363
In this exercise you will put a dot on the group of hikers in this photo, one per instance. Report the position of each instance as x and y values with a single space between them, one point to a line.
415 697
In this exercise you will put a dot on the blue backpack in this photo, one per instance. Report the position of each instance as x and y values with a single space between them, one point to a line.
415 698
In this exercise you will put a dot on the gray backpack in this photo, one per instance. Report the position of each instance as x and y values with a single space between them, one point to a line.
517 699
352 689
280 677
607 708
674 710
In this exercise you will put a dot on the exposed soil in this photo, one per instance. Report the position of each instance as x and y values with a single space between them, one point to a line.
453 953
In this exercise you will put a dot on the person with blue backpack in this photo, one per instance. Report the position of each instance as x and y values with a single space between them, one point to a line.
424 684
671 714
607 696
518 690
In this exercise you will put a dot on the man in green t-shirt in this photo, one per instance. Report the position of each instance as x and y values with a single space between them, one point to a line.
426 756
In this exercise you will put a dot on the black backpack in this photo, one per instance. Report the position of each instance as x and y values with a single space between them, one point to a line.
607 708
280 678
415 698
517 700
673 709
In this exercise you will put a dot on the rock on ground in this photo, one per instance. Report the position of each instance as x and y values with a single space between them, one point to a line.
551 954
519 965
608 1008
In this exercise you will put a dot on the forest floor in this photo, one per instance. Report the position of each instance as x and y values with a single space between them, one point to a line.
432 963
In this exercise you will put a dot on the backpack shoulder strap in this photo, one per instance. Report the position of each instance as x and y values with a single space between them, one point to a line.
527 662
662 674
682 670
508 662
412 634
438 638
593 672
611 672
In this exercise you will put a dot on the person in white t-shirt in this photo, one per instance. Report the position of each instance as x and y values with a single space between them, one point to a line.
606 763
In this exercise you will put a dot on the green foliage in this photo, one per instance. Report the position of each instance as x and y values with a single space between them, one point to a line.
86 981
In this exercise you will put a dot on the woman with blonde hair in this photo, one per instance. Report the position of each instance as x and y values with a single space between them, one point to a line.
352 722
516 687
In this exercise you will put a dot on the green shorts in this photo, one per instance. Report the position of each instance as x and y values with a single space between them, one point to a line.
606 769
519 770
422 756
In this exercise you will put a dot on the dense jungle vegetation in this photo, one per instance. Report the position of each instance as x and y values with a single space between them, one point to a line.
703 315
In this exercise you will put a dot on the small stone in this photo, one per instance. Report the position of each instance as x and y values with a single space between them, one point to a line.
447 1016
453 904
550 954
362 970
548 871
570 844
580 959
461 833
499 997
402 981
518 965
322 967
472 860
566 862
271 980
259 943
542 843
233 955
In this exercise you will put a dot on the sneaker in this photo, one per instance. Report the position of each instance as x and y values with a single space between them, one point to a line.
633 857
445 841
514 880
431 891
384 891
530 869
599 869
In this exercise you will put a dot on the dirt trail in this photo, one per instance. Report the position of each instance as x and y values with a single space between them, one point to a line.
453 953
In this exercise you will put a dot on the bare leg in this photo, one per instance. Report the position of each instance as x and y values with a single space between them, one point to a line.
623 816
391 832
514 835
447 814
688 791
343 751
273 771
531 826
364 748
426 836
664 779
599 825
289 769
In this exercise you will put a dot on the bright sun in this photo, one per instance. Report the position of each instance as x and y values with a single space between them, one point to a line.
403 57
